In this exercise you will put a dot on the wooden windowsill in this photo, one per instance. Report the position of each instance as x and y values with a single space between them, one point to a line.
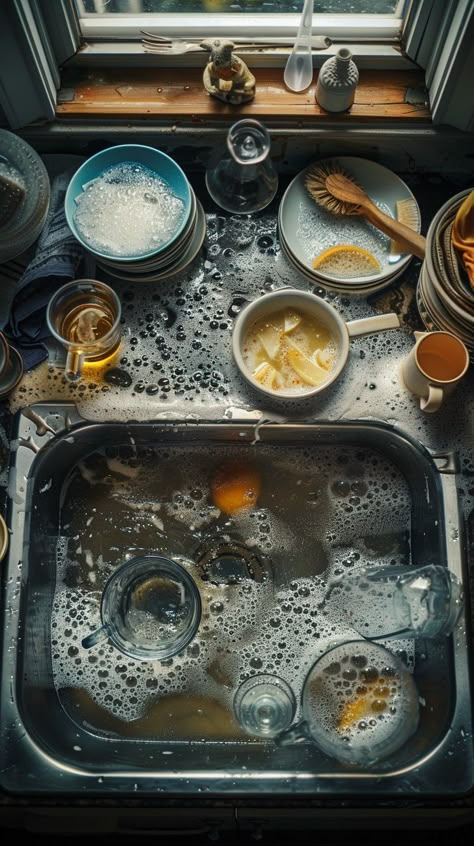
178 95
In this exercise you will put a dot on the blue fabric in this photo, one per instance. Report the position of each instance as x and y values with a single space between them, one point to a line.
59 258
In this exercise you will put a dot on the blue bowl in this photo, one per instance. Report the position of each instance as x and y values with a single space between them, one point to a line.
156 161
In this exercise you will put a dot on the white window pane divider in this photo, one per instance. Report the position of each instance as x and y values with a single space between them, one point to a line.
104 54
127 26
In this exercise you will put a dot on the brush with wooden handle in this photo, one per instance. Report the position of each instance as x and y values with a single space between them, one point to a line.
334 189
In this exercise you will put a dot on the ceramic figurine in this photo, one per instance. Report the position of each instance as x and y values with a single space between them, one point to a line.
337 82
226 76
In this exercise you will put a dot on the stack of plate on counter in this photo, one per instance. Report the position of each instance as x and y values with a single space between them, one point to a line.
131 168
175 258
306 229
445 297
24 195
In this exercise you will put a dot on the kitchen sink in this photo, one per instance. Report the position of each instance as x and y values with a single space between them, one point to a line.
86 496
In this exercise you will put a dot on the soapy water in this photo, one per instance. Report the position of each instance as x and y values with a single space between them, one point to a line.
122 502
127 211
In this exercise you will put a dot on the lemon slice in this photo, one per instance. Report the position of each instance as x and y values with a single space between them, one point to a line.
308 370
292 320
346 260
321 358
269 338
263 372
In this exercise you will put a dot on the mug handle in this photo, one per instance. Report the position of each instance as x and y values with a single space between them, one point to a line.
95 637
74 362
297 733
377 323
433 401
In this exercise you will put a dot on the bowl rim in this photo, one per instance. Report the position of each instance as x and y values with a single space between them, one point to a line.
278 296
135 257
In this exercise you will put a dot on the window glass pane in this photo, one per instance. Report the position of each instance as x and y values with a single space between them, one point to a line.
328 7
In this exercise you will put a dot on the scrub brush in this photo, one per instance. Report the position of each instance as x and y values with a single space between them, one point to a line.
11 195
334 189
407 213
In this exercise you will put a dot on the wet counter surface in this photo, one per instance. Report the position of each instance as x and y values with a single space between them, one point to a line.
175 360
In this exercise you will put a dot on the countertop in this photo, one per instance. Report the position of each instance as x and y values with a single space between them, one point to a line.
176 362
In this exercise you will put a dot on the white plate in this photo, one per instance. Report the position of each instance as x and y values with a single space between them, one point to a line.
436 310
309 229
339 288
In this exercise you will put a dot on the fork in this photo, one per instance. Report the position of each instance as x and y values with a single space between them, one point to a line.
171 48
161 44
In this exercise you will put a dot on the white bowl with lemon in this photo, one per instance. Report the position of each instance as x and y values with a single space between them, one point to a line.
291 344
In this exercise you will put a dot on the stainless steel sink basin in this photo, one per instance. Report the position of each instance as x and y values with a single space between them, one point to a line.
85 496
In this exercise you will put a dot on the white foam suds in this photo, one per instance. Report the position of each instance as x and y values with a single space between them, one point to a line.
279 626
127 211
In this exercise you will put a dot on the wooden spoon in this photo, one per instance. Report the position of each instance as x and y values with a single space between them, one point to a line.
360 204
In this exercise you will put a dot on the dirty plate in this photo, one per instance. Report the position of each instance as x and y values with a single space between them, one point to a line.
307 229
354 287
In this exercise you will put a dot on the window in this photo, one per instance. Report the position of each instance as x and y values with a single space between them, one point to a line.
37 36
373 19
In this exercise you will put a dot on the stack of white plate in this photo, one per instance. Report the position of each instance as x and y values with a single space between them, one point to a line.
179 253
445 297
20 164
306 229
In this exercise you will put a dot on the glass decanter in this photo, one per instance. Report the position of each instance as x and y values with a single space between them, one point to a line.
244 180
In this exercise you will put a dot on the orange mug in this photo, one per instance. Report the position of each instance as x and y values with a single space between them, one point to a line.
436 364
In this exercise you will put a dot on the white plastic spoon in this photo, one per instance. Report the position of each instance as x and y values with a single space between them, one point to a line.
299 67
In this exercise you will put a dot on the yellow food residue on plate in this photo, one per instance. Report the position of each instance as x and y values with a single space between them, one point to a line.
346 260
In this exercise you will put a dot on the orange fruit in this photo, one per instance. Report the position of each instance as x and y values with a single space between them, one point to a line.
235 486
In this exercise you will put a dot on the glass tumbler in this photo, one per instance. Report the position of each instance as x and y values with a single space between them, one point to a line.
243 179
150 609
264 705
84 316
359 704
399 602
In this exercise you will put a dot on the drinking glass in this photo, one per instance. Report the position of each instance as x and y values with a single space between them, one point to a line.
359 704
84 316
150 609
399 602
264 705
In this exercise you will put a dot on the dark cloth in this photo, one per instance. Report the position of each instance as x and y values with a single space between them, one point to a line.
59 259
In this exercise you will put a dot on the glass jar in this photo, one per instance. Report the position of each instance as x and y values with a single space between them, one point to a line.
243 180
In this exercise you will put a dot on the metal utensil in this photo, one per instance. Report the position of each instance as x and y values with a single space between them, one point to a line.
161 44
171 48
318 42
299 67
